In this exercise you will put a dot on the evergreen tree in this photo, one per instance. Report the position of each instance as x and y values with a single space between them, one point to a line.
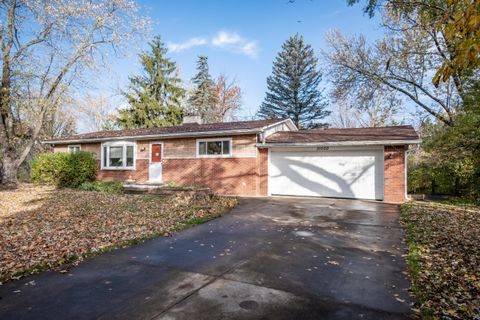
155 96
203 98
293 88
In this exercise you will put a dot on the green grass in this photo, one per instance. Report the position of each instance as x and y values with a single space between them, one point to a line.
102 186
463 202
196 220
414 260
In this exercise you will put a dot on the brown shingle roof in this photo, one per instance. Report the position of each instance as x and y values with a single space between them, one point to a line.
183 129
395 133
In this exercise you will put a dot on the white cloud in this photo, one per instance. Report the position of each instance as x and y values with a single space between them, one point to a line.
230 41
224 38
234 42
190 43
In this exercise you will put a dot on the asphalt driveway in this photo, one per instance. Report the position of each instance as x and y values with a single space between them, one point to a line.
276 258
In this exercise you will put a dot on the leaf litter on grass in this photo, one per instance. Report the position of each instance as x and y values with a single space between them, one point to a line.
43 228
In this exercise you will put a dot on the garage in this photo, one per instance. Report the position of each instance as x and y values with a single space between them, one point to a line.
342 173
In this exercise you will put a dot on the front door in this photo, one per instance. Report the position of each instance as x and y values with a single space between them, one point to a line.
155 169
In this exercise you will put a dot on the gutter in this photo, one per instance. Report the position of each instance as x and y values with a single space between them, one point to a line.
170 135
340 143
157 136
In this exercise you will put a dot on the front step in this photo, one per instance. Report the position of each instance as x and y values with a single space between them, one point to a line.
162 189
139 188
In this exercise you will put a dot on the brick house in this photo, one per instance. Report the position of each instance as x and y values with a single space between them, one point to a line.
255 158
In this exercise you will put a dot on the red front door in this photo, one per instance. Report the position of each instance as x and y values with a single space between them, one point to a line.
156 153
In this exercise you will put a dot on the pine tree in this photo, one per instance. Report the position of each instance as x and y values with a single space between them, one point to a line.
203 98
293 88
154 97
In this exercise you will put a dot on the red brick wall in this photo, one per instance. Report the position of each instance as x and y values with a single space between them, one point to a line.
262 169
394 176
140 174
236 176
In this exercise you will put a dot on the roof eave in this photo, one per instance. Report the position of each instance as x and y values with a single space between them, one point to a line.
158 136
339 143
287 121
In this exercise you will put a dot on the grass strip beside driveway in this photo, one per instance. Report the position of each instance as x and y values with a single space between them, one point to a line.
443 259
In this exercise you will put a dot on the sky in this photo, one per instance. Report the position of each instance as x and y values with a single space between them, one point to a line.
240 38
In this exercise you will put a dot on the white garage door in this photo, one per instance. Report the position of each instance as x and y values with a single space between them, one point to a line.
333 173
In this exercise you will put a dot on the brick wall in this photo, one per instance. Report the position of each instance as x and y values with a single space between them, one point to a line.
140 174
185 148
394 177
262 171
236 176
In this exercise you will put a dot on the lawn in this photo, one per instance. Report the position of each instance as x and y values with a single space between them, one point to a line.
444 259
42 227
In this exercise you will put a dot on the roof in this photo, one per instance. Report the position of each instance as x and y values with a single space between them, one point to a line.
378 135
188 129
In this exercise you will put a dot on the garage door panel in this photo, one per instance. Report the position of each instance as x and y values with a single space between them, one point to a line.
346 174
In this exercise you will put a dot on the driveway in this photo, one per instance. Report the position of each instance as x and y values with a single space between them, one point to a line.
275 258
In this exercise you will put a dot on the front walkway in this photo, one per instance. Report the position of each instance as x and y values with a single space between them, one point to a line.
276 258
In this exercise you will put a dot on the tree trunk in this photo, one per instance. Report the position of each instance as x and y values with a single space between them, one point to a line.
456 186
9 172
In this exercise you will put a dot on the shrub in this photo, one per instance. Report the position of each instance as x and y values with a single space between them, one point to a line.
64 169
102 186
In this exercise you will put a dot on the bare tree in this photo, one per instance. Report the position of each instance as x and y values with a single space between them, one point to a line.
402 63
95 113
343 115
45 47
368 106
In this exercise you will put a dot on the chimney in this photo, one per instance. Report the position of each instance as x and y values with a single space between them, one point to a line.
192 118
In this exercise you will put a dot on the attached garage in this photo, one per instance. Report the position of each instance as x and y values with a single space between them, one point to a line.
328 172
356 163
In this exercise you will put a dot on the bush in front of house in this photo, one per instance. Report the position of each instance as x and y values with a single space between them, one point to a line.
102 186
64 169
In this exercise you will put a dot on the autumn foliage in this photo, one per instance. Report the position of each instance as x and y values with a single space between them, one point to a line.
43 228
444 259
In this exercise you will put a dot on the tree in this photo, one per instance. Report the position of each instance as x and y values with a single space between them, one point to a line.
458 146
203 98
453 25
95 113
368 105
45 48
154 97
401 63
366 109
228 99
293 88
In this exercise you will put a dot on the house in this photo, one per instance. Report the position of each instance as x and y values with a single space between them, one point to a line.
256 158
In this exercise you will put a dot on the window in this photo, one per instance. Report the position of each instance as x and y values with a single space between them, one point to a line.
214 148
118 155
74 149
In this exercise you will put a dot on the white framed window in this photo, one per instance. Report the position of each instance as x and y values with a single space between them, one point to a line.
74 148
214 147
118 155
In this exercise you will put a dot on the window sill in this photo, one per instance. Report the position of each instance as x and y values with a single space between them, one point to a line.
215 156
116 169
